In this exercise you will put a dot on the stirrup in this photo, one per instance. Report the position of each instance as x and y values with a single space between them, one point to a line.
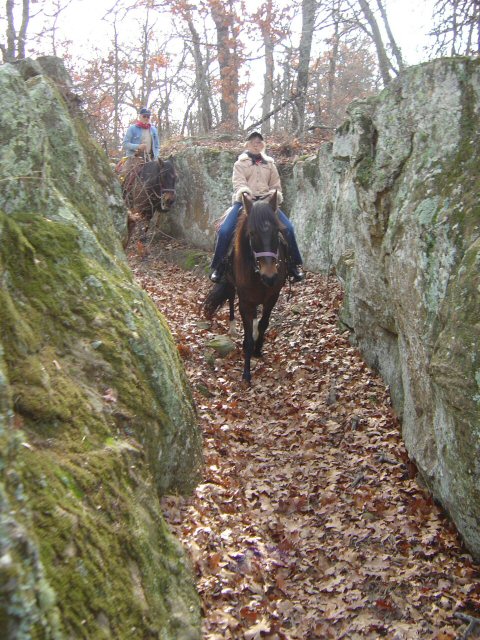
296 273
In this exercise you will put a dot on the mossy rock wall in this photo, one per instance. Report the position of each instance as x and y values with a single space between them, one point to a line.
392 206
96 418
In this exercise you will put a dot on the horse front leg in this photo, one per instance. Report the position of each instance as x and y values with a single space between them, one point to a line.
263 325
247 314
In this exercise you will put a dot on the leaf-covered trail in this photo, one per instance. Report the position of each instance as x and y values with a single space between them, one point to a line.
309 522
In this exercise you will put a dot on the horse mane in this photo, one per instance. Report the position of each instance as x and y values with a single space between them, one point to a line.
168 164
261 212
240 233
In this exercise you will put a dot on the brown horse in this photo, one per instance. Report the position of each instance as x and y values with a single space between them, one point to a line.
149 187
258 273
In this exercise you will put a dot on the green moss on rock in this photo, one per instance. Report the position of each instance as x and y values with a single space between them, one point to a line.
96 417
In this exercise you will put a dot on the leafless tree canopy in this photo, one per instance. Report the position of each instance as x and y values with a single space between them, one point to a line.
200 65
457 27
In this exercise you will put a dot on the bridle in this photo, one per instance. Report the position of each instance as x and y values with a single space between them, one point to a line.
263 254
163 192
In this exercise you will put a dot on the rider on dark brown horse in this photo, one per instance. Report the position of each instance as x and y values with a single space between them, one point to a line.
254 173
142 138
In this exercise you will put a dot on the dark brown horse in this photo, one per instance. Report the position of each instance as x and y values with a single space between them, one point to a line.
258 273
149 187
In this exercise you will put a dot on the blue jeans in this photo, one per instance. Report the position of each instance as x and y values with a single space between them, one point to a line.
227 229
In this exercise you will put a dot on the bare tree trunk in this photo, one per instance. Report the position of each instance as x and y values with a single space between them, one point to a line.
116 89
146 78
9 50
332 65
228 63
14 49
383 61
393 44
477 26
187 124
308 22
454 28
285 84
22 34
203 93
269 69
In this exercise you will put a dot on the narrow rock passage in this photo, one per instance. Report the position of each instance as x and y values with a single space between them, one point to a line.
310 521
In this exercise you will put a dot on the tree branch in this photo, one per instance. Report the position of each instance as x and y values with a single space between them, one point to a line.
293 98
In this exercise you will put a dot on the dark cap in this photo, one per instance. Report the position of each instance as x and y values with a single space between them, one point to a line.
254 134
145 112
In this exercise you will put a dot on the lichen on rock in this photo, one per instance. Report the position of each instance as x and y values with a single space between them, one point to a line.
96 416
395 213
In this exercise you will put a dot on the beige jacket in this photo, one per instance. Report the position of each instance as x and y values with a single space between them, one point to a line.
255 179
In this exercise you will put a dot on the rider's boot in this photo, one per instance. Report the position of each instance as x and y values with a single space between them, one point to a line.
295 272
217 274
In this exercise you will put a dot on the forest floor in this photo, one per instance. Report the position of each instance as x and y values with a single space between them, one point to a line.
310 520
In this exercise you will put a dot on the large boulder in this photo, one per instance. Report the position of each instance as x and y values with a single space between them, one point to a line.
204 192
392 205
96 418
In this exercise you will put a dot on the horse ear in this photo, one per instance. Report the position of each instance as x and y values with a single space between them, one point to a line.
160 162
247 203
273 200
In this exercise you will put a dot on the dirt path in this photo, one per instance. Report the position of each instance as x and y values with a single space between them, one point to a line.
310 521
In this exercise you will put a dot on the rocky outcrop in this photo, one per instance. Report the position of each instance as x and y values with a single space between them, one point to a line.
96 418
392 207
204 191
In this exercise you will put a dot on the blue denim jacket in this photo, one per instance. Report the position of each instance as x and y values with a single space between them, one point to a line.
133 138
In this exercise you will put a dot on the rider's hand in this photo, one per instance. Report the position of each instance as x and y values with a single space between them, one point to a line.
142 147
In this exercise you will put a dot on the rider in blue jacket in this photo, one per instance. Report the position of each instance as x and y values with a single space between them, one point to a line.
142 138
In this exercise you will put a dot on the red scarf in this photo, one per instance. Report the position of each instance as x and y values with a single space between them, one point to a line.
143 125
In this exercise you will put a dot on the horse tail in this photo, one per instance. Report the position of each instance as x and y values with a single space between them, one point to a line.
216 297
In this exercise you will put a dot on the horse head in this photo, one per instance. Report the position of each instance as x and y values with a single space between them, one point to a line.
263 227
168 178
